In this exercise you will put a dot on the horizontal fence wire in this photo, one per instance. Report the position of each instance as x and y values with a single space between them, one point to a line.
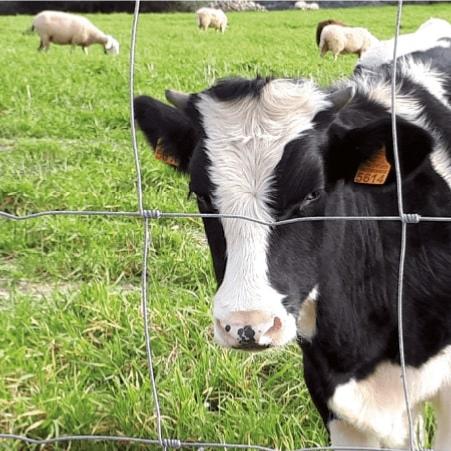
176 444
147 215
157 214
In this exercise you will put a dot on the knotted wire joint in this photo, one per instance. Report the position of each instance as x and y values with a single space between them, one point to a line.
170 443
410 218
151 214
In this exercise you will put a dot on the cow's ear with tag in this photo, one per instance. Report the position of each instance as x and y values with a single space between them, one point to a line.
170 131
364 156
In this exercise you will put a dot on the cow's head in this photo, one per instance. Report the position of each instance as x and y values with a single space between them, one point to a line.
257 148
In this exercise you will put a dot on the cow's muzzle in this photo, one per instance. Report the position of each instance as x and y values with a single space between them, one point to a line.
252 330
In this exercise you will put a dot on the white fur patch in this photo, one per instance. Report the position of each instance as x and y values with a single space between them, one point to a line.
430 79
376 404
342 434
441 163
407 106
306 323
245 142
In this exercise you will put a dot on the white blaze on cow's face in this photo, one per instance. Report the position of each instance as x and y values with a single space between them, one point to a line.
245 140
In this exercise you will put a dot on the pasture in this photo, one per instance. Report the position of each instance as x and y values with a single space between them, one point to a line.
72 353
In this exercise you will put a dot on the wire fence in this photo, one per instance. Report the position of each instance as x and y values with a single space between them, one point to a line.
155 214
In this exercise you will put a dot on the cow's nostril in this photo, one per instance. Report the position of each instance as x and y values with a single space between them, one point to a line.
249 332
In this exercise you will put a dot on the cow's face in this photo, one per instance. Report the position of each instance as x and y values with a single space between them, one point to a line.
255 149
235 170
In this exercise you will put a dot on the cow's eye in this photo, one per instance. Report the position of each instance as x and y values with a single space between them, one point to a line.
296 209
311 197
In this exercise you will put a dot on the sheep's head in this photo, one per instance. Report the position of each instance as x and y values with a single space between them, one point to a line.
111 46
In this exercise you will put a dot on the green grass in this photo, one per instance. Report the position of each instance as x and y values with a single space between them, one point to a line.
72 354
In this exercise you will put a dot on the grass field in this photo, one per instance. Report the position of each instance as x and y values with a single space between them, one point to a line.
72 355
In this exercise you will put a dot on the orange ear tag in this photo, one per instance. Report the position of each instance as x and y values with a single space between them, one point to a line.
375 170
165 158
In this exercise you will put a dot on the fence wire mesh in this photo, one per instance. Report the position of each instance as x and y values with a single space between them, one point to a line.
155 214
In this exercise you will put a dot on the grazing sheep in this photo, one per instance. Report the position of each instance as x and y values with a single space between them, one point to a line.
304 5
324 23
339 39
68 29
211 17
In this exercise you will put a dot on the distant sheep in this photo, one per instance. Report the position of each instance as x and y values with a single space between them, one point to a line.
339 39
324 23
69 29
304 5
211 17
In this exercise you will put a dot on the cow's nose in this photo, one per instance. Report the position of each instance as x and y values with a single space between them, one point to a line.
248 330
246 334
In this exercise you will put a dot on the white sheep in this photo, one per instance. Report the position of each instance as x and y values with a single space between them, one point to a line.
69 29
211 17
339 39
313 6
304 5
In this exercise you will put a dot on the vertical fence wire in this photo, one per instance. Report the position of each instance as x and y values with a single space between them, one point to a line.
393 112
147 230
145 313
403 244
147 215
139 188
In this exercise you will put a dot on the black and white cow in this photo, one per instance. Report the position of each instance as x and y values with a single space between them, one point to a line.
275 149
427 36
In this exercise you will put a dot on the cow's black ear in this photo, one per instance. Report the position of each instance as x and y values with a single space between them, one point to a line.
179 99
169 131
365 155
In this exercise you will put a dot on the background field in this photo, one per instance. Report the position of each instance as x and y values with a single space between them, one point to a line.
72 356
